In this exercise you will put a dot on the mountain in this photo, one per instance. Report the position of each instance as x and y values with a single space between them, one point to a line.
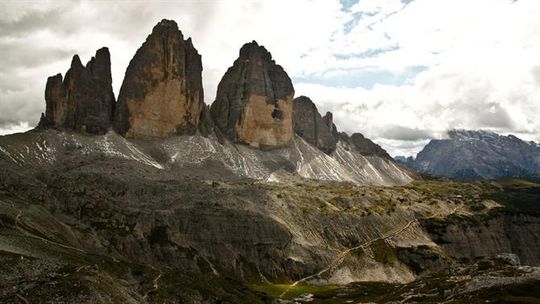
257 199
254 100
478 155
162 92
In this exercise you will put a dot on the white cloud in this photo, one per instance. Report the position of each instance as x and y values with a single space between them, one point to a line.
15 128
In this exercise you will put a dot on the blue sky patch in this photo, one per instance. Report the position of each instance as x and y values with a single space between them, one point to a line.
347 4
368 53
366 79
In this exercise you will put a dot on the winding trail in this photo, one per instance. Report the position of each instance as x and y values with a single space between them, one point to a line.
26 231
155 286
343 254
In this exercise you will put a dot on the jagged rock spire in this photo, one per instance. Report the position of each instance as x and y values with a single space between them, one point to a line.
84 100
316 130
162 91
254 100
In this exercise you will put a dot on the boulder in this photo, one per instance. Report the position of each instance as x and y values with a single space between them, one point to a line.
254 100
162 92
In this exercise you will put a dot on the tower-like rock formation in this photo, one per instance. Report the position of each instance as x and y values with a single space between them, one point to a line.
162 92
316 130
254 100
84 100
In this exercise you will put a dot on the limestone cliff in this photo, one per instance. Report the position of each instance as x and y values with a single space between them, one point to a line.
254 100
84 100
162 91
316 130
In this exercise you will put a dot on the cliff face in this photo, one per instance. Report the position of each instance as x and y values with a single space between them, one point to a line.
469 240
254 100
84 100
162 91
316 130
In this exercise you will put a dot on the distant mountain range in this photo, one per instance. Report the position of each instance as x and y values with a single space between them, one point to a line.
476 155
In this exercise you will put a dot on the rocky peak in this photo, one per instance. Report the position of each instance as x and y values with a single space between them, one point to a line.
328 119
84 100
254 51
99 67
162 92
254 100
364 145
316 130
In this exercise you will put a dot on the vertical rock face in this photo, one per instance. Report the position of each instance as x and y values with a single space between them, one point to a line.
162 91
254 100
84 100
316 130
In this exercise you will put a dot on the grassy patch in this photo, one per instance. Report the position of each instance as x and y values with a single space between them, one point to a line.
519 195
274 291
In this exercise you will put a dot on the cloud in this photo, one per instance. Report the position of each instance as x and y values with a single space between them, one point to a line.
536 74
15 55
14 128
395 132
397 147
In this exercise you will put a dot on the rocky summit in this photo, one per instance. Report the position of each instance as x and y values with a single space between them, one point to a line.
84 100
364 145
162 92
254 100
478 155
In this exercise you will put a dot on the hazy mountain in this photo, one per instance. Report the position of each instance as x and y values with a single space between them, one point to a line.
477 155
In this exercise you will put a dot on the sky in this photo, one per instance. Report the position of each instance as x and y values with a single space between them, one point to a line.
401 72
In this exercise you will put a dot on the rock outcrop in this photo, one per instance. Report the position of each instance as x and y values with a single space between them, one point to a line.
162 92
364 145
316 130
84 100
254 101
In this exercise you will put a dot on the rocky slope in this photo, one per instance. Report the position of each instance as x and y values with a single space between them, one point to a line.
162 91
104 219
478 155
254 100
84 100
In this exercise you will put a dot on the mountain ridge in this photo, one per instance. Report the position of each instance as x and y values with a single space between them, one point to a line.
162 97
477 154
